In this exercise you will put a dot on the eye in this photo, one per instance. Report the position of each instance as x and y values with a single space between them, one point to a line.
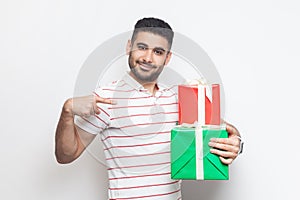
158 51
142 47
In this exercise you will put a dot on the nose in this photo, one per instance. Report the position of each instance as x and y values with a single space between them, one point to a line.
148 56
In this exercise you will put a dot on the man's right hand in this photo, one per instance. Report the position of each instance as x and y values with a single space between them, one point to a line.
85 106
70 140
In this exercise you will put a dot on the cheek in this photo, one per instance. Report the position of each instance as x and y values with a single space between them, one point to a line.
136 55
160 60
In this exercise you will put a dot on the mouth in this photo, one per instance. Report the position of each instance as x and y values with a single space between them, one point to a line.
146 66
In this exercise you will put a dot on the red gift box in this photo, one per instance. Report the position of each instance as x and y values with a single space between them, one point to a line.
199 103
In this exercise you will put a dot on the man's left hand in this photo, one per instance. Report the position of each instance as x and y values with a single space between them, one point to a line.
226 148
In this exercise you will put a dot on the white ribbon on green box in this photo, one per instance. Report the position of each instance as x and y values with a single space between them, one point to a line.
199 153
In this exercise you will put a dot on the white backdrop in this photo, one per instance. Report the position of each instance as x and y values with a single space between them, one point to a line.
254 45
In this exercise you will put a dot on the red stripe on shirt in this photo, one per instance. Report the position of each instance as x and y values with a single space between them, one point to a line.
136 135
136 145
139 155
134 166
103 111
166 104
99 107
125 177
128 126
102 120
172 95
131 97
91 123
145 97
113 90
137 115
142 186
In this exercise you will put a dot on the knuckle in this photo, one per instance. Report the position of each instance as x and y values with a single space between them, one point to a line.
236 141
236 149
234 155
223 146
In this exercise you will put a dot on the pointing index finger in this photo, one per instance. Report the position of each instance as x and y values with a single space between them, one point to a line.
104 100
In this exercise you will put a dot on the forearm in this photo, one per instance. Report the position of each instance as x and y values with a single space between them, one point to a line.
66 138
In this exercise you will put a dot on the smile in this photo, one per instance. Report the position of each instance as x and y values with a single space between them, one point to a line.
146 67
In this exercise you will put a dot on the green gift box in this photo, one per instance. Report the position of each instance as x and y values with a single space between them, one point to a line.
190 154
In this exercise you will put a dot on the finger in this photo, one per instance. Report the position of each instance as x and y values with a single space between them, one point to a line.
95 108
233 140
99 99
230 141
219 140
226 161
225 154
97 111
224 147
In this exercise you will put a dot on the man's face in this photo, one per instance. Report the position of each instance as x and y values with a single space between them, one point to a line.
148 54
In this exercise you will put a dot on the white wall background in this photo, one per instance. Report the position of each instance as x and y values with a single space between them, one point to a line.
254 44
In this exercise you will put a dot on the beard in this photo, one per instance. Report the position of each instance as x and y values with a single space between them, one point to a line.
138 73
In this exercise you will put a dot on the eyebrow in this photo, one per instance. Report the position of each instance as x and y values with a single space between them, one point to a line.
157 48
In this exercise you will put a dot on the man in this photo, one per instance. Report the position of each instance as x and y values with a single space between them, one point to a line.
134 117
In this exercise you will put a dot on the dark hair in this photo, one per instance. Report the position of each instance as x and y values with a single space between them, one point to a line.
155 26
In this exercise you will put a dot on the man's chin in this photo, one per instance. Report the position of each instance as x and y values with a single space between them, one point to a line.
146 79
142 78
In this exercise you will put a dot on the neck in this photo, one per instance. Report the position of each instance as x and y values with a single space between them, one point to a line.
150 86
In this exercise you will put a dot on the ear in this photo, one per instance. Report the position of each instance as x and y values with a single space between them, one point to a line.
168 58
128 47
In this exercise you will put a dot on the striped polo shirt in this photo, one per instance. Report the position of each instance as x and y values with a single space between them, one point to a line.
136 139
